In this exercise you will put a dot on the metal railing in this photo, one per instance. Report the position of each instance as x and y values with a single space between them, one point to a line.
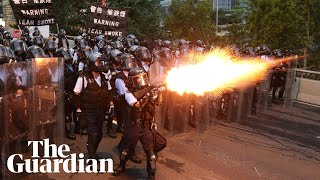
306 74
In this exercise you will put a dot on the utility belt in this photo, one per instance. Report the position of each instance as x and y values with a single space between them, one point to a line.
119 99
144 123
94 106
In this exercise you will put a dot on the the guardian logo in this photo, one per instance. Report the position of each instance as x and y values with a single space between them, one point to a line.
51 163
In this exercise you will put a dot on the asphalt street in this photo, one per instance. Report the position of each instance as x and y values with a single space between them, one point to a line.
278 144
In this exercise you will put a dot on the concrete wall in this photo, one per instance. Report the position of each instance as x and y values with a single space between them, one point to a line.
308 91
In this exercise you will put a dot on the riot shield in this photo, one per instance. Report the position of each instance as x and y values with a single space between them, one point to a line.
201 113
156 79
15 116
2 120
263 91
290 79
48 101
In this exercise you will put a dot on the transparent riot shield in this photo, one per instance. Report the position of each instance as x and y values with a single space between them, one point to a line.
288 97
2 121
234 108
47 99
156 78
201 114
263 91
15 117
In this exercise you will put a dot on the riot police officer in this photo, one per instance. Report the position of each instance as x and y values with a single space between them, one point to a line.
144 58
50 47
140 111
93 97
62 39
122 82
70 75
19 47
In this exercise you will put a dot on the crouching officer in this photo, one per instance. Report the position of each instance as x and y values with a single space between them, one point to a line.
93 97
140 111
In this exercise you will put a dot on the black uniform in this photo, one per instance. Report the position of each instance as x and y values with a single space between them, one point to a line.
94 102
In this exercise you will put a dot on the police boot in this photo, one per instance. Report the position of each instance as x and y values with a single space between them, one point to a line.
151 165
70 134
96 143
122 167
70 126
111 133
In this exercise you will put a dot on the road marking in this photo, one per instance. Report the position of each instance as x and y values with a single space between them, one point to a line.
257 171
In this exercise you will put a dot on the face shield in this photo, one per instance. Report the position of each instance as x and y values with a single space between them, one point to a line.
145 55
51 46
67 56
19 46
101 44
82 44
139 81
3 55
129 64
38 53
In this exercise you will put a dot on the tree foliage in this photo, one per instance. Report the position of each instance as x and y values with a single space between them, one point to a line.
286 24
144 15
276 23
190 19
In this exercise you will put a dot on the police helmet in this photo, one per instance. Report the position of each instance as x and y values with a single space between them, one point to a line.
35 52
128 42
39 41
135 39
19 47
107 49
166 57
200 43
115 55
51 45
101 44
62 32
26 31
166 43
82 43
4 57
77 39
143 54
7 35
99 38
36 32
65 53
118 45
11 54
181 42
139 78
277 53
1 38
127 61
133 49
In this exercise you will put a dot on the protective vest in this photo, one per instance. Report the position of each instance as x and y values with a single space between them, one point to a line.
93 95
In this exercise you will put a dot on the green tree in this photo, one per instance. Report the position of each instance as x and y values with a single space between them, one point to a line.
238 29
276 23
71 15
190 19
144 15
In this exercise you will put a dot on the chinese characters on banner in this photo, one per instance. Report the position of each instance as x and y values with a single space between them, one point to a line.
33 12
107 21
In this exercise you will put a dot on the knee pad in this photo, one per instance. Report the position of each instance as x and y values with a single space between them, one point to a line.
124 154
151 156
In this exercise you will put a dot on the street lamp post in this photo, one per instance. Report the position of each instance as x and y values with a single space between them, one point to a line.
217 15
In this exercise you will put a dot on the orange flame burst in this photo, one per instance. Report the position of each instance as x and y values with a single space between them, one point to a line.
216 71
